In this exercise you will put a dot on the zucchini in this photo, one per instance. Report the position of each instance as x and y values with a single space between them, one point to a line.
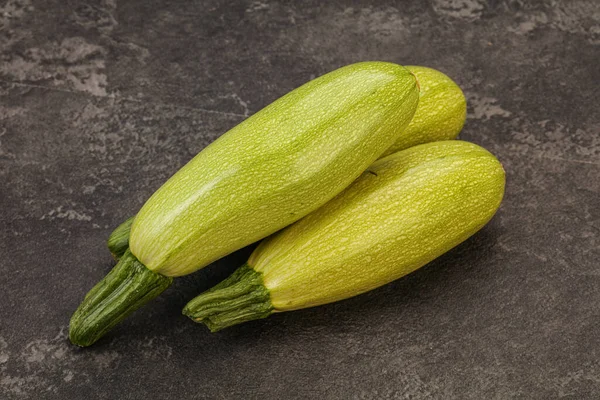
440 115
269 171
403 212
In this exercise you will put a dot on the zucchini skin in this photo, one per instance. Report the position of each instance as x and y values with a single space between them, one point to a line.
441 113
404 211
275 167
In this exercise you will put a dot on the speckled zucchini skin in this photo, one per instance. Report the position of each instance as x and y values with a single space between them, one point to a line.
441 113
275 167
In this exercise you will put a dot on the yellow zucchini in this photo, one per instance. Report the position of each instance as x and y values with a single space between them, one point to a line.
441 113
404 211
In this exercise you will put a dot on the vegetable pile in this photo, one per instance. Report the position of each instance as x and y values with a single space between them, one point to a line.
307 163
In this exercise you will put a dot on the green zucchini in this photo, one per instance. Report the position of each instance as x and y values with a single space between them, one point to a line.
440 115
269 171
404 211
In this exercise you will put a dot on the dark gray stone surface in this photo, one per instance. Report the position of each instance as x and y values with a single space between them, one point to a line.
101 101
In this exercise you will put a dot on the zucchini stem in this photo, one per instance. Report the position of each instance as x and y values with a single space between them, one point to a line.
118 241
241 297
127 287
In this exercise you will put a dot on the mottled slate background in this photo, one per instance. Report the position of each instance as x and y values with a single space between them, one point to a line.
101 101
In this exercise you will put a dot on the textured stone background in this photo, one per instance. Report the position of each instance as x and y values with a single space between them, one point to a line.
101 101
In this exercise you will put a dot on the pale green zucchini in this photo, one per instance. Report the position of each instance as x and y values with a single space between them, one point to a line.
440 115
272 169
404 211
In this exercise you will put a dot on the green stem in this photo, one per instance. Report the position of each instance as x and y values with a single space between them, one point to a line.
127 287
118 241
241 297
